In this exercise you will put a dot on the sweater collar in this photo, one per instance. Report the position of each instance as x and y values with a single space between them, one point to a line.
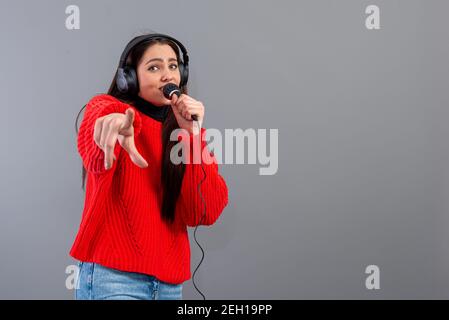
149 109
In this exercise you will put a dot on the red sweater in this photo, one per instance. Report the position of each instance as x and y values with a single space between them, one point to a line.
121 225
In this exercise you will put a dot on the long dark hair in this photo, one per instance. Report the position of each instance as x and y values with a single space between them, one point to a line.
171 175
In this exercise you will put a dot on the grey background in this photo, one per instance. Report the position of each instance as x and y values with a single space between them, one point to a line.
363 155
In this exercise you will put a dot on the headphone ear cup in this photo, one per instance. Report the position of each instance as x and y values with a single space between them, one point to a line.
120 81
131 80
184 71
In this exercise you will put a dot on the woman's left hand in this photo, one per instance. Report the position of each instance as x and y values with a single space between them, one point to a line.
183 108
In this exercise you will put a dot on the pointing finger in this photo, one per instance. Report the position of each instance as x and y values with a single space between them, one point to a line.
129 120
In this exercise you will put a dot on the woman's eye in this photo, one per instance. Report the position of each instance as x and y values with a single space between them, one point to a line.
173 66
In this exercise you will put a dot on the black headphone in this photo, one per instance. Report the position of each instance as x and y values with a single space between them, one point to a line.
126 79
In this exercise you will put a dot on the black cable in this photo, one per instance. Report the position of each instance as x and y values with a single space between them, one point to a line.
204 212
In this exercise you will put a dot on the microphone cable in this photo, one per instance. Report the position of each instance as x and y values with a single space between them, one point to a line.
204 208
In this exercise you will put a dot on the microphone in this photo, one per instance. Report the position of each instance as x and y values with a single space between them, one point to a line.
169 89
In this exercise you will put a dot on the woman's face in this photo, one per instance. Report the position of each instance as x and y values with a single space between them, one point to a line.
157 67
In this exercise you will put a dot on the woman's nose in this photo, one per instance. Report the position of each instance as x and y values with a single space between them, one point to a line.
167 76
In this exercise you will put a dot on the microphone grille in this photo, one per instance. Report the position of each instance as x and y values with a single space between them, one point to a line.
169 89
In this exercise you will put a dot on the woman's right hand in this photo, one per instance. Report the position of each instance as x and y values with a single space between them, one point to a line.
113 127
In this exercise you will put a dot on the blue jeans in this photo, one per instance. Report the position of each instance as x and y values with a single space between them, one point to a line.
96 282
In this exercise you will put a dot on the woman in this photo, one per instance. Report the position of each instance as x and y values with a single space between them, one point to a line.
133 242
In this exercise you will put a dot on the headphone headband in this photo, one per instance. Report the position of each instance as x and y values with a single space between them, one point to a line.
139 39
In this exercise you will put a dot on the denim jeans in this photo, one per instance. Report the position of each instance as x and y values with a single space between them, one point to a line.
96 282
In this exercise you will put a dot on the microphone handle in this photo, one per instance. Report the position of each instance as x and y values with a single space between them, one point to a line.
194 116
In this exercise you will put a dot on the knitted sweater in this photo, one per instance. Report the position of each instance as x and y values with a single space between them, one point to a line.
121 225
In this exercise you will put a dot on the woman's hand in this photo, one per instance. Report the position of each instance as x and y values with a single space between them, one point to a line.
113 127
183 108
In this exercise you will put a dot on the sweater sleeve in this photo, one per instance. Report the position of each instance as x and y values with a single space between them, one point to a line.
213 189
99 106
